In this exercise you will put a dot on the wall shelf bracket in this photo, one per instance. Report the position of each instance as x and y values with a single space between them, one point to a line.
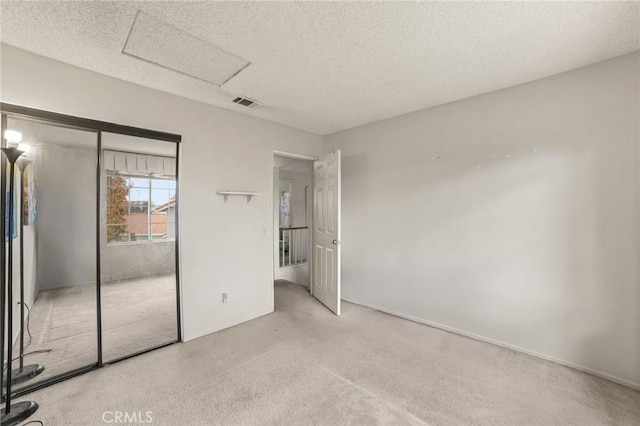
248 194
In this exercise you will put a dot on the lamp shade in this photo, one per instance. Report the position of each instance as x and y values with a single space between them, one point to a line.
12 154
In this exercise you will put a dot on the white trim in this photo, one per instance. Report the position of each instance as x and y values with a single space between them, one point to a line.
295 274
298 274
293 155
275 220
578 367
297 265
61 286
638 276
138 242
178 224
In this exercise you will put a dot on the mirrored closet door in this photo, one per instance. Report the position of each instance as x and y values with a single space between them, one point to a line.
138 248
54 239
92 229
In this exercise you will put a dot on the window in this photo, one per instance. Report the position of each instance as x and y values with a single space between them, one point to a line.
140 208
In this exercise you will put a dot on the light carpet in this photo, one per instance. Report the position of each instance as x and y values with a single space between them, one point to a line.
136 314
303 365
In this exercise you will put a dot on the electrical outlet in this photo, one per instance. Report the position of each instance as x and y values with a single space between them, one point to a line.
224 297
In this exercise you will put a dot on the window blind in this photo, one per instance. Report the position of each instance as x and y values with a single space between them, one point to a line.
139 164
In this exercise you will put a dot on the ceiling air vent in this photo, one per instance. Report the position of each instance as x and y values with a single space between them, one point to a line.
249 103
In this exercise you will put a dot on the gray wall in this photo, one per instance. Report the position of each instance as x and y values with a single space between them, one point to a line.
66 225
511 216
30 263
221 149
137 260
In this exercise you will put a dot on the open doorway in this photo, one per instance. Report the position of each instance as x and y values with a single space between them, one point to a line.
306 223
292 189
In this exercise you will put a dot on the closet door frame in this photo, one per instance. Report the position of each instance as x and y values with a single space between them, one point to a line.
98 127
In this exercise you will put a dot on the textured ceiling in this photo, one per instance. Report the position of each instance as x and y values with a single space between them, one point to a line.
328 66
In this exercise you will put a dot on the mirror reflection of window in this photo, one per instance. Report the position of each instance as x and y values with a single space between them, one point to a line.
140 208
62 221
138 251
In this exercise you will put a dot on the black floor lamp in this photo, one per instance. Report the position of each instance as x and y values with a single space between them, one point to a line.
16 413
23 373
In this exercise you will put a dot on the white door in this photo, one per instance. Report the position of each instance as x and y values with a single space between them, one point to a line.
326 231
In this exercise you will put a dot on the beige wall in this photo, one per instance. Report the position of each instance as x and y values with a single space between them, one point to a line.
512 216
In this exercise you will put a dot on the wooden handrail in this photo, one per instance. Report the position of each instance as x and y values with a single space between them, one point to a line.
293 229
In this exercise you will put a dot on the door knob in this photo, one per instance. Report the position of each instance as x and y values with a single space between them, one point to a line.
335 242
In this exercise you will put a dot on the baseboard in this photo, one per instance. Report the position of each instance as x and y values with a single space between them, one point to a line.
294 273
292 267
63 286
201 334
136 278
481 338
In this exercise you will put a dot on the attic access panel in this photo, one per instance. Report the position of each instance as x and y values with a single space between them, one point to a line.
160 43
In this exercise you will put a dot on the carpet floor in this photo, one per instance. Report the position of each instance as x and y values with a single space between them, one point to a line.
136 315
302 365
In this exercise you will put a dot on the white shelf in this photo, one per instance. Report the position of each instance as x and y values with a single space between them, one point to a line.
248 194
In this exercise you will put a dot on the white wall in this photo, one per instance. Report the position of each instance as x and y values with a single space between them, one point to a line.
221 150
524 231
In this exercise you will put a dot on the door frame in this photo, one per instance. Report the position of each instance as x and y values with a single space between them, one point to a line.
275 217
